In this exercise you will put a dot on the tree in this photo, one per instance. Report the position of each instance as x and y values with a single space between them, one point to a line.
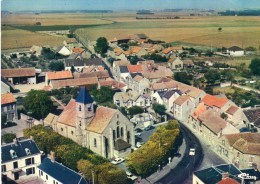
220 29
38 23
56 66
104 94
135 110
101 45
72 69
183 77
39 103
212 76
252 49
8 137
159 109
123 110
133 59
86 168
156 57
224 116
255 66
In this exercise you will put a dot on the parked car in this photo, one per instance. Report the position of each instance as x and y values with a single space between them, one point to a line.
177 155
138 134
131 176
117 161
138 130
192 152
150 127
139 144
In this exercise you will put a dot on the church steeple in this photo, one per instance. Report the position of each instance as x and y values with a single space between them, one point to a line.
84 96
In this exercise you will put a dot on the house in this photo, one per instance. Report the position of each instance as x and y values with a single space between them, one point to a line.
175 63
188 63
123 72
182 107
219 104
235 51
6 87
63 50
131 98
241 149
143 120
8 106
103 130
137 82
100 75
134 68
53 172
19 75
166 98
19 158
236 116
194 93
224 174
78 50
87 82
153 72
80 64
113 84
118 63
253 116
59 75
210 130
116 53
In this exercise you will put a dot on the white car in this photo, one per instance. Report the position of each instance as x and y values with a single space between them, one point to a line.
138 134
139 144
117 161
131 176
192 152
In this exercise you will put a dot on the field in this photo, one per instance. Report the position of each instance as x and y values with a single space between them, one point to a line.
15 38
201 30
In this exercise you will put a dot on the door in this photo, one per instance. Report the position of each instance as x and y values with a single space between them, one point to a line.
16 175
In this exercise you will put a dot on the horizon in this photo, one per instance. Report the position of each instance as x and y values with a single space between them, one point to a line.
122 5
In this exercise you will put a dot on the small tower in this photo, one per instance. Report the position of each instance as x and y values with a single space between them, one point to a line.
84 110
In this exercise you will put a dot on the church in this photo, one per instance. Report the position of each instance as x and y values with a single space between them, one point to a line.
103 130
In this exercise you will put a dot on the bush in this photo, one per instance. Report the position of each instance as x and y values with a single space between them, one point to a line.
160 146
8 138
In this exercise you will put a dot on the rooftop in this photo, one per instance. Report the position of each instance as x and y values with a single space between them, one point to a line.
83 62
84 96
121 145
134 68
56 84
59 75
211 101
181 99
232 110
61 173
18 72
7 98
19 148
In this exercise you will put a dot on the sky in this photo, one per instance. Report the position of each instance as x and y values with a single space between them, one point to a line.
37 5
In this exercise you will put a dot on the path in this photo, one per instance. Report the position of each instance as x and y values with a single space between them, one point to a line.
246 88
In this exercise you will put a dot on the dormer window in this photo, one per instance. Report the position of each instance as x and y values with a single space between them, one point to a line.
89 108
27 151
13 154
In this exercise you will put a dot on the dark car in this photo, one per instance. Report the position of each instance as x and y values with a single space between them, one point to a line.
177 155
149 128
139 130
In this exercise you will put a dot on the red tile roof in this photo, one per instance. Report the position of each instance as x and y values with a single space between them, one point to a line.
68 116
228 181
201 108
134 68
7 98
211 101
56 84
181 99
232 110
59 75
101 119
78 50
18 72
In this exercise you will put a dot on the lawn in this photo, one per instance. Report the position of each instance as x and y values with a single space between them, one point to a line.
241 31
16 38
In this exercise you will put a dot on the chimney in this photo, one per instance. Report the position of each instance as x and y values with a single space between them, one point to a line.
225 175
52 156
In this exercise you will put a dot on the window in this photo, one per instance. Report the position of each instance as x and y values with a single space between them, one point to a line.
3 169
61 129
29 161
79 107
27 151
53 181
117 132
30 171
13 154
117 116
89 107
122 131
41 173
223 142
114 134
46 177
251 158
15 164
72 132
238 154
95 142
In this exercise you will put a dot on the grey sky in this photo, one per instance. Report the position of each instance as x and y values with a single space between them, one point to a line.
21 5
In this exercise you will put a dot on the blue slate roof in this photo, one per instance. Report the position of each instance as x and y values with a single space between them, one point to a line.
84 96
61 173
168 94
213 175
19 149
123 69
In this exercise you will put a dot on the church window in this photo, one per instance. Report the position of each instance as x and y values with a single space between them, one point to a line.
89 108
122 131
95 142
61 129
80 108
114 134
72 132
117 132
